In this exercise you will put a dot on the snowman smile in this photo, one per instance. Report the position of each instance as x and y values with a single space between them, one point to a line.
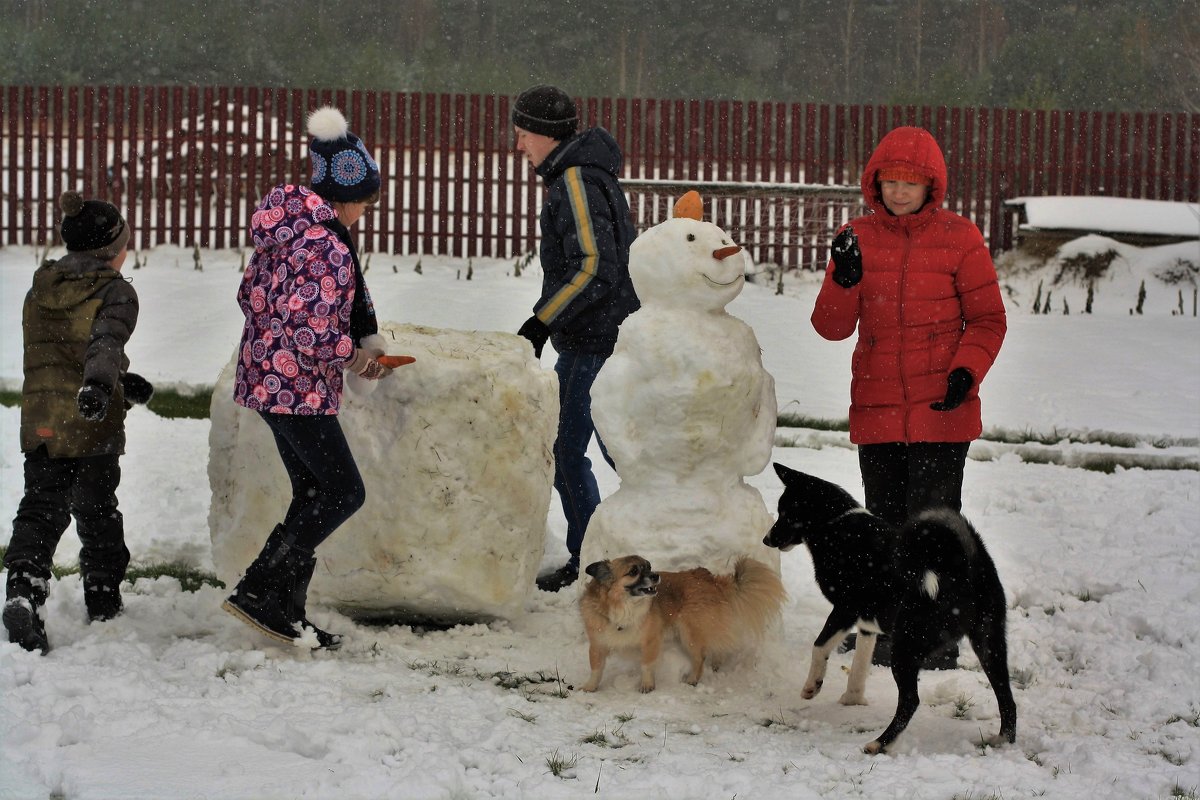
713 283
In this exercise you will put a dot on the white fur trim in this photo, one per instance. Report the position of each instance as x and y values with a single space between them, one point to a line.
930 584
327 124
358 385
374 344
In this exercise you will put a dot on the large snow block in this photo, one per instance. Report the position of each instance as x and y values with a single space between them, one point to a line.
456 452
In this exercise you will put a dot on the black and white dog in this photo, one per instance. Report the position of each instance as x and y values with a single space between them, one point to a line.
925 585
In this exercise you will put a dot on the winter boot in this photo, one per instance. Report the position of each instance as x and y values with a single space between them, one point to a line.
304 573
22 611
559 579
264 598
102 596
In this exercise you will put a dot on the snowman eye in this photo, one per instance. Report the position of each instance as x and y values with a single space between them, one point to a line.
691 237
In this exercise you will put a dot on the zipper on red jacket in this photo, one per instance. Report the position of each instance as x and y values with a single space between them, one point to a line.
903 327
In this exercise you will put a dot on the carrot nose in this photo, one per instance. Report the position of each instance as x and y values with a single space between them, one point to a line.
726 252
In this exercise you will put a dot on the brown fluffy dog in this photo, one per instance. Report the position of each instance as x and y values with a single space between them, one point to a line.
628 606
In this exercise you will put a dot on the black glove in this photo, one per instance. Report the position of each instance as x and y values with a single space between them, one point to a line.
847 259
537 333
136 388
958 383
92 401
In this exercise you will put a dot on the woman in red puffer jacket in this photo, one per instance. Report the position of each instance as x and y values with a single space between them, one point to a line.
919 284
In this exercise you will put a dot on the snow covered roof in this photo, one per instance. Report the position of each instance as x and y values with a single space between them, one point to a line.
1109 215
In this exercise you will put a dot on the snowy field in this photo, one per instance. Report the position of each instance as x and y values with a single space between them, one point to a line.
176 699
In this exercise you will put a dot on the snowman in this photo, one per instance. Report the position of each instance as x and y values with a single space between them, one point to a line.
684 408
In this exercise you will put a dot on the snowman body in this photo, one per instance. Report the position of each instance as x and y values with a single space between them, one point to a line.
686 411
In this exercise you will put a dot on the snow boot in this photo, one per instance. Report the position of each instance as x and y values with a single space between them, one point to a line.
265 597
102 596
559 579
26 594
304 573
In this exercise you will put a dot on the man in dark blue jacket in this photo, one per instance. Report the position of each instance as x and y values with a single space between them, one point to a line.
586 290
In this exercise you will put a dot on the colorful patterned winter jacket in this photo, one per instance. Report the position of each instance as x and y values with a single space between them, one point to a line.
297 294
586 233
928 303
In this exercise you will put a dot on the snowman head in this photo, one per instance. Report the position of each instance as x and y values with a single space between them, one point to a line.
686 263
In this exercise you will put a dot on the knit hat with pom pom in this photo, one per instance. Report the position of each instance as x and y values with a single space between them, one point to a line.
92 226
342 169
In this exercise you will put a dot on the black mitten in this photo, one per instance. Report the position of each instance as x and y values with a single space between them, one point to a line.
537 333
92 401
136 388
847 259
958 383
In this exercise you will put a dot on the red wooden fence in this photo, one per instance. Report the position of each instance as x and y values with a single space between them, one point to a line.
188 164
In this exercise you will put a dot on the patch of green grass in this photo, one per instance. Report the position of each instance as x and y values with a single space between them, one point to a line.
190 578
168 403
174 405
561 766
791 420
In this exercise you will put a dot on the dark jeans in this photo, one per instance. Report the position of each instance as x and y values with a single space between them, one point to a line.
573 477
326 486
900 480
57 489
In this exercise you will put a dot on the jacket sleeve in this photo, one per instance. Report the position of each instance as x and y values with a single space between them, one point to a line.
835 315
112 326
312 289
984 319
584 225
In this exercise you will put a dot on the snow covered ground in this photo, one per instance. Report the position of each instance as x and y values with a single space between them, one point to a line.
175 699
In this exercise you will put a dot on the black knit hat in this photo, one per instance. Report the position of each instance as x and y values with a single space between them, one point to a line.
546 110
92 226
342 169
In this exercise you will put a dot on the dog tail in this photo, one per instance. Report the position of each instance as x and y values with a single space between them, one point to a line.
758 595
937 546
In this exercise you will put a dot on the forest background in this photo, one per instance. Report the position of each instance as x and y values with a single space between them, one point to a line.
1109 55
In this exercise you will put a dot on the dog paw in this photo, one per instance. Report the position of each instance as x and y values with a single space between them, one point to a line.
873 748
853 699
811 691
646 688
589 687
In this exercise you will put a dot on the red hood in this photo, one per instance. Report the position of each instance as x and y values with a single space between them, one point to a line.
910 148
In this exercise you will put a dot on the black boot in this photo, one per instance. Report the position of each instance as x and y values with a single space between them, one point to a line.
26 594
304 573
102 596
265 596
559 579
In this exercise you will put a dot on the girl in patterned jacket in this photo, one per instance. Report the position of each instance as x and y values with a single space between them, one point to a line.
309 319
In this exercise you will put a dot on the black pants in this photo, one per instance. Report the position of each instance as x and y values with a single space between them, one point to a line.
326 486
57 489
900 480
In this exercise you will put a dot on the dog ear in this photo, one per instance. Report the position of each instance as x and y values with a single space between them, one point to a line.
785 473
600 570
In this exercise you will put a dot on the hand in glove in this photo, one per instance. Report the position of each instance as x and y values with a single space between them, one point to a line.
847 259
136 388
92 401
958 383
366 367
537 333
